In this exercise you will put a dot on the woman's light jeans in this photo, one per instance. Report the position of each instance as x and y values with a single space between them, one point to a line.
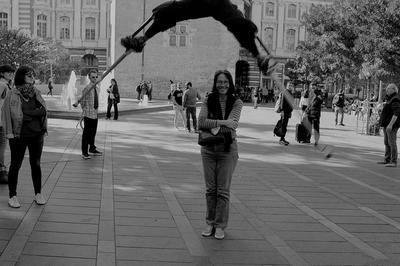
218 166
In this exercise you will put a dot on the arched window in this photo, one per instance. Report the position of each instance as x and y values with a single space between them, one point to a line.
270 9
290 39
3 20
41 26
64 28
292 10
90 29
269 37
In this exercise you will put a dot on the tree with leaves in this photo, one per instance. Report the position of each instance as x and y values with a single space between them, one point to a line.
17 47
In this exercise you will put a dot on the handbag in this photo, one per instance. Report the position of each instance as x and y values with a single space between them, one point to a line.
208 137
278 129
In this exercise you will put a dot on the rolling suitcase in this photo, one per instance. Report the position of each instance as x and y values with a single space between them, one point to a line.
302 133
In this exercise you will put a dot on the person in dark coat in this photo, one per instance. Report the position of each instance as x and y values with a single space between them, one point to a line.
113 99
390 122
169 13
286 113
313 113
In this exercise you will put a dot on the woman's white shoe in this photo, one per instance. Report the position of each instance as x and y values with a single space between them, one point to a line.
13 202
39 199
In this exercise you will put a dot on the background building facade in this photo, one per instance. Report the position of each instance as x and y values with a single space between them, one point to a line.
82 26
194 49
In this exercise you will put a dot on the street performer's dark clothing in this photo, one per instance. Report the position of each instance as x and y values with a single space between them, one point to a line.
169 13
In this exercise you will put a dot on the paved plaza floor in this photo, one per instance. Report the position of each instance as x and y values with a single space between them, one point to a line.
143 202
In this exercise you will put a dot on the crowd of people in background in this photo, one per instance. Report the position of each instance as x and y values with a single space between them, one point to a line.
144 91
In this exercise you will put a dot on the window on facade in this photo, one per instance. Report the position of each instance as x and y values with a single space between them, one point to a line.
3 20
269 9
290 39
292 10
269 37
178 36
91 2
64 28
41 26
90 29
65 2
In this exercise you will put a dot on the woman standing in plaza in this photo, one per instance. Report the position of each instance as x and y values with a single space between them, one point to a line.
113 99
25 123
313 113
221 109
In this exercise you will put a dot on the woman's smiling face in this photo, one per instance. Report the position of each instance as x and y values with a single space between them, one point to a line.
222 84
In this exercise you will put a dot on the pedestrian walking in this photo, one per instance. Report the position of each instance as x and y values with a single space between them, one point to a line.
286 111
150 90
113 99
390 121
139 91
169 13
220 109
24 119
50 87
338 103
6 76
178 108
90 106
313 115
190 97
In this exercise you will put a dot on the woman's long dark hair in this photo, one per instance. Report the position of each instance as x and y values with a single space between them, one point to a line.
115 85
19 79
231 90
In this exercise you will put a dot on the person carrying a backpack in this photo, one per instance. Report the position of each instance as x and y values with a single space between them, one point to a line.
338 103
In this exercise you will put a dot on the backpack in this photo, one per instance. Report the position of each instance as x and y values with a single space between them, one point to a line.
278 104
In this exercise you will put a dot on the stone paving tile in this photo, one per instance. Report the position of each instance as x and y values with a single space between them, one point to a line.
151 263
131 230
309 236
150 242
80 196
66 227
379 237
69 218
252 258
61 250
162 255
304 227
141 206
142 213
71 210
157 222
73 203
370 228
323 246
63 238
238 245
5 234
28 260
338 259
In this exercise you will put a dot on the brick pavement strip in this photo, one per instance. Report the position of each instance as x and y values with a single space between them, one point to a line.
106 246
286 205
16 244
